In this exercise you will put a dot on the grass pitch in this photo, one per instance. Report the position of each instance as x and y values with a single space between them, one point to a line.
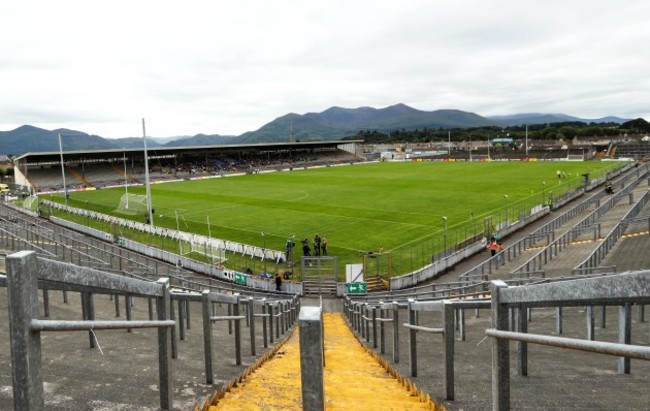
358 208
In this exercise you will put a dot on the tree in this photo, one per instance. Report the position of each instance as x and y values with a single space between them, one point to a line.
568 132
637 126
592 131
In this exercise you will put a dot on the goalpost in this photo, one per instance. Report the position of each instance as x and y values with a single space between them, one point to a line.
31 202
575 157
216 254
480 157
132 204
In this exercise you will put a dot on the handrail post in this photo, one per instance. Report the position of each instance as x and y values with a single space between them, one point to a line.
264 329
448 325
413 353
251 322
207 335
522 347
395 332
311 358
235 312
382 336
624 335
22 292
271 314
591 329
164 347
374 327
181 319
500 353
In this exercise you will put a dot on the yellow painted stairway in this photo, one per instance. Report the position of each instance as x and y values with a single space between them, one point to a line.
354 379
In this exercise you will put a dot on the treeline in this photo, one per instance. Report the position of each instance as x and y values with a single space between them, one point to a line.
555 131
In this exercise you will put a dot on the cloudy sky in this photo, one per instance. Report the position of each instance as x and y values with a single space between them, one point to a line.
226 67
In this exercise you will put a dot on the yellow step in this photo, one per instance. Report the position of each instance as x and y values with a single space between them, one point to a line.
354 380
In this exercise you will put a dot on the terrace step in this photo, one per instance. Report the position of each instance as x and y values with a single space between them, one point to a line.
319 286
376 283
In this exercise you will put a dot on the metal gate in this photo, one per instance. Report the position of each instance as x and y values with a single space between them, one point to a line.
319 274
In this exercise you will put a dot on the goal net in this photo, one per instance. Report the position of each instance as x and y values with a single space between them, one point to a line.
480 157
575 157
210 252
31 202
132 204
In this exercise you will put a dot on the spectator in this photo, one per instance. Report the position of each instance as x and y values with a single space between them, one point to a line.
305 248
288 247
493 246
499 251
278 282
317 242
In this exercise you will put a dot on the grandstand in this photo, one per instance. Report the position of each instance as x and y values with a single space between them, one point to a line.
500 150
105 168
638 150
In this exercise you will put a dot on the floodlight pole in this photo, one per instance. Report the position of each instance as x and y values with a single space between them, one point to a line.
449 145
543 193
146 174
178 232
505 199
444 235
488 146
126 183
65 189
207 217
264 252
526 140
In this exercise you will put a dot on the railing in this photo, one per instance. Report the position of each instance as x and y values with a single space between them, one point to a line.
363 317
53 275
62 243
592 261
542 257
24 270
622 290
172 234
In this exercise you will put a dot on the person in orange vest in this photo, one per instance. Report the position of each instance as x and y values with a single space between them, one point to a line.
493 246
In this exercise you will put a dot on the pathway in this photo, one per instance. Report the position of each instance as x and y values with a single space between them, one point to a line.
354 379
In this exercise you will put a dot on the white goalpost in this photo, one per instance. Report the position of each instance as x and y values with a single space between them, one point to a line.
132 204
575 157
481 157
208 250
31 202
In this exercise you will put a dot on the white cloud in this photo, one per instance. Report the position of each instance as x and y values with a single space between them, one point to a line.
229 67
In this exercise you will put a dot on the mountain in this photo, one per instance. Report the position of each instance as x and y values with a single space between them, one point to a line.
337 122
201 140
331 124
27 139
541 118
136 142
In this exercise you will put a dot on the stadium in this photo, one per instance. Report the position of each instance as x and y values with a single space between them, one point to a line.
91 234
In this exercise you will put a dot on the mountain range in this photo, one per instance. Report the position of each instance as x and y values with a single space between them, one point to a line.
331 124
